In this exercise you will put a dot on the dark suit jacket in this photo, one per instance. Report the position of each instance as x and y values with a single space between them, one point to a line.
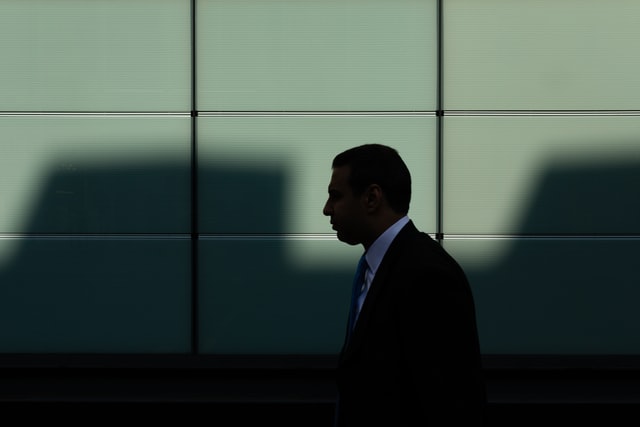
413 357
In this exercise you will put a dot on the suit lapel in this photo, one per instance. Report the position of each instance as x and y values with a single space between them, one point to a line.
379 282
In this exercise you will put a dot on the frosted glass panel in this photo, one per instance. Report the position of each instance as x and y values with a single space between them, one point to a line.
270 174
543 54
94 296
513 175
94 174
275 55
282 303
553 296
99 55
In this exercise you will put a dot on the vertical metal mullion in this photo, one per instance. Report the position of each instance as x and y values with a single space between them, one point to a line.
439 126
194 191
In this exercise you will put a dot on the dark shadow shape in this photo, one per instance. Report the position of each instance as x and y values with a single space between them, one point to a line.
105 291
575 295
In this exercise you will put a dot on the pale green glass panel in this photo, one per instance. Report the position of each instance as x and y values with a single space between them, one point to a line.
553 296
99 55
515 175
68 174
270 296
542 54
266 174
275 55
95 296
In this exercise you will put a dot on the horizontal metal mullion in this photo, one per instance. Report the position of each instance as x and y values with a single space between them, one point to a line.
92 114
630 236
541 113
283 236
93 236
317 114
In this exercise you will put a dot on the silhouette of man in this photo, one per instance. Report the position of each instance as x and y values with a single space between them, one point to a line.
412 355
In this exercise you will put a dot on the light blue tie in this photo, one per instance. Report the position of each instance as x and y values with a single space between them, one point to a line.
356 291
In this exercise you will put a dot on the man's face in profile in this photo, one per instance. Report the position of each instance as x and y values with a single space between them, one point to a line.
347 212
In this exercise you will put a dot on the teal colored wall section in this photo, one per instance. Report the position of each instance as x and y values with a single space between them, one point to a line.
155 161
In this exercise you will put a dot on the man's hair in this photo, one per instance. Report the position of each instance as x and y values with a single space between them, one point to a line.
381 165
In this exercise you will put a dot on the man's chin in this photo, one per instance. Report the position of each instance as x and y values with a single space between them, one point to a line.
349 240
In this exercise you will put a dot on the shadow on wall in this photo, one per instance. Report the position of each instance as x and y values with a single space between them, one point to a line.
104 266
575 294
122 283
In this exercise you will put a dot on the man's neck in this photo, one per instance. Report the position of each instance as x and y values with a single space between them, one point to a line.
381 226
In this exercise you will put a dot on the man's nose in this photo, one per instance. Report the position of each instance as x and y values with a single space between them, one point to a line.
326 210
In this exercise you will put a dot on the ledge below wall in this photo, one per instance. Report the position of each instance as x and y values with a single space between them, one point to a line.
296 397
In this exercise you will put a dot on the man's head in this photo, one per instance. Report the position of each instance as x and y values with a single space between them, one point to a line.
370 189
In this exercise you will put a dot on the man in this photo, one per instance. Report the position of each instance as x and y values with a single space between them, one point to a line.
412 357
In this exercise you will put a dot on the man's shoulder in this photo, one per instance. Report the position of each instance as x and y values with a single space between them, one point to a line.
410 236
420 249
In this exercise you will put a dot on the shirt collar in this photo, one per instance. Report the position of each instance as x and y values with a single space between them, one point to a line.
379 248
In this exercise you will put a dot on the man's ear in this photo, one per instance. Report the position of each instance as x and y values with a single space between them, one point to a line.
373 197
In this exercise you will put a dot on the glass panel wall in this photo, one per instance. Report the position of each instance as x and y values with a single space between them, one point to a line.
269 174
67 55
554 296
541 175
541 55
148 146
95 180
541 160
103 294
279 55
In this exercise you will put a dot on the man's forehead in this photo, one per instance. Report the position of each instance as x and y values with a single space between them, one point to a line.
340 181
340 174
